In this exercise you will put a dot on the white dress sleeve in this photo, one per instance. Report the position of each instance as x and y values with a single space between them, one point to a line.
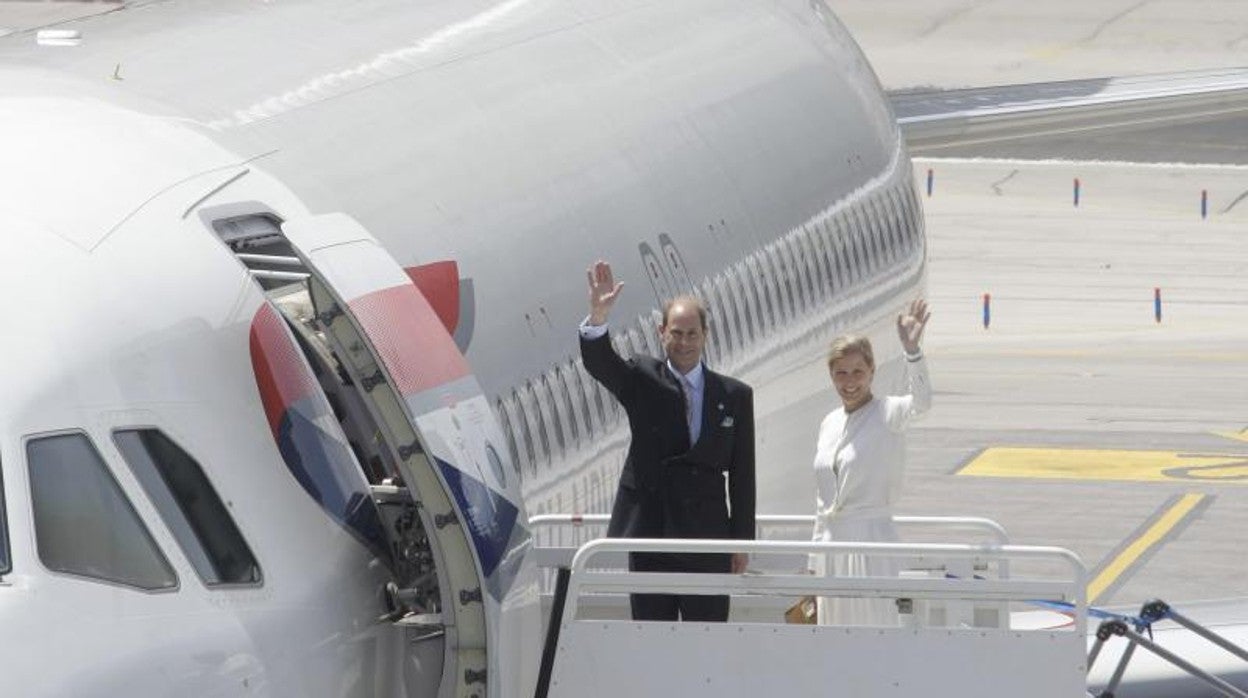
917 398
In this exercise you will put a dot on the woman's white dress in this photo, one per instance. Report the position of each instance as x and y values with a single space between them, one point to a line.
859 466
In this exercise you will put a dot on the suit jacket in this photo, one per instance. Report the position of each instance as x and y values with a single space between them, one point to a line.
668 489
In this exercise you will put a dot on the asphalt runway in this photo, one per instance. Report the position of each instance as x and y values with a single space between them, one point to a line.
1076 418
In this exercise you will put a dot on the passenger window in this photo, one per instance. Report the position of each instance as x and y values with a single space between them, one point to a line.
749 304
726 324
563 407
84 525
780 282
524 408
576 397
595 414
190 507
6 564
537 430
504 420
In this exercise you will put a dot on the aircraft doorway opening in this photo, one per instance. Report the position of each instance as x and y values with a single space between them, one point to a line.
257 242
416 422
416 599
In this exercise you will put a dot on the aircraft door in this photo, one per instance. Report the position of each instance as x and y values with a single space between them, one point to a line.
438 426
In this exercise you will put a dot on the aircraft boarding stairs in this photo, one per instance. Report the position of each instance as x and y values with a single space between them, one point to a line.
955 635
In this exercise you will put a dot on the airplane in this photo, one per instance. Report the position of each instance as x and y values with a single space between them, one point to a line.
290 278
294 297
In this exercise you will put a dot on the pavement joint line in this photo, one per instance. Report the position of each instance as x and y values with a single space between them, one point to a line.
1159 528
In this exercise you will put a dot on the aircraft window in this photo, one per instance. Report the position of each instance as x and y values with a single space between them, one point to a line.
576 396
84 524
892 222
871 229
789 287
505 421
190 507
534 434
870 249
908 214
831 258
552 434
736 302
726 323
595 416
857 247
823 247
5 563
567 409
895 223
848 249
876 221
802 263
749 305
904 228
524 438
749 281
766 296
879 231
914 218
783 276
810 264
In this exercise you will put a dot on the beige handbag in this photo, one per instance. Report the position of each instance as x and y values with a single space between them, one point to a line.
804 612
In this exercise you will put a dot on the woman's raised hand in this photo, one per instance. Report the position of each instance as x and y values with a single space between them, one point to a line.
910 325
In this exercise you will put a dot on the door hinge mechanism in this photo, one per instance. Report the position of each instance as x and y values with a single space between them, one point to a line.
370 382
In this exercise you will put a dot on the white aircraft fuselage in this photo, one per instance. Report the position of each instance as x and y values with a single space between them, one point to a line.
741 150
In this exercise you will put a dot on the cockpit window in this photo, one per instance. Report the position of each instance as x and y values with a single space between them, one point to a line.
190 506
84 525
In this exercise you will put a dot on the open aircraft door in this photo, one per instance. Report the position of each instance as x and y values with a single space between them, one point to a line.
440 432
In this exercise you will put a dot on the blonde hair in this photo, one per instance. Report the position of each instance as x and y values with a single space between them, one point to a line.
851 344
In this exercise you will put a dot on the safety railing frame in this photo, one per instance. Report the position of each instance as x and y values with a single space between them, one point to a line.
1072 590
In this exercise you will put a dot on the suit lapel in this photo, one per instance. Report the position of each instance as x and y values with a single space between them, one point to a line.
712 407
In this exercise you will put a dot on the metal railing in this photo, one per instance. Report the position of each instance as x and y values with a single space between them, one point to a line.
1071 589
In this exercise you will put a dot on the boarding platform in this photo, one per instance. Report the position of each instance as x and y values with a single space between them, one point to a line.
954 633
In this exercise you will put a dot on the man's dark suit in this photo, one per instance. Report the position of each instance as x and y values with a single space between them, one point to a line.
669 490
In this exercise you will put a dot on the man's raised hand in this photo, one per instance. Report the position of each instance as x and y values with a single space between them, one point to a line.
603 290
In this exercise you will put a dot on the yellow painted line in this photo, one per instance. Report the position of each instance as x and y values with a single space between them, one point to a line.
1171 518
1049 51
1094 464
1241 435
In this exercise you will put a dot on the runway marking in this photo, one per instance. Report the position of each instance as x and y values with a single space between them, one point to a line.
1241 435
1173 514
1093 464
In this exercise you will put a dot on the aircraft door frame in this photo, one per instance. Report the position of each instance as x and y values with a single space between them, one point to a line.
438 425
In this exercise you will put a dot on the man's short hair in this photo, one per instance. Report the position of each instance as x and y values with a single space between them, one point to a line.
686 300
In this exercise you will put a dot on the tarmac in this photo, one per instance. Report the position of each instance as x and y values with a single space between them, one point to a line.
1078 417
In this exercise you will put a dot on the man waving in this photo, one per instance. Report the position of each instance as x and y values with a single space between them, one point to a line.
691 429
